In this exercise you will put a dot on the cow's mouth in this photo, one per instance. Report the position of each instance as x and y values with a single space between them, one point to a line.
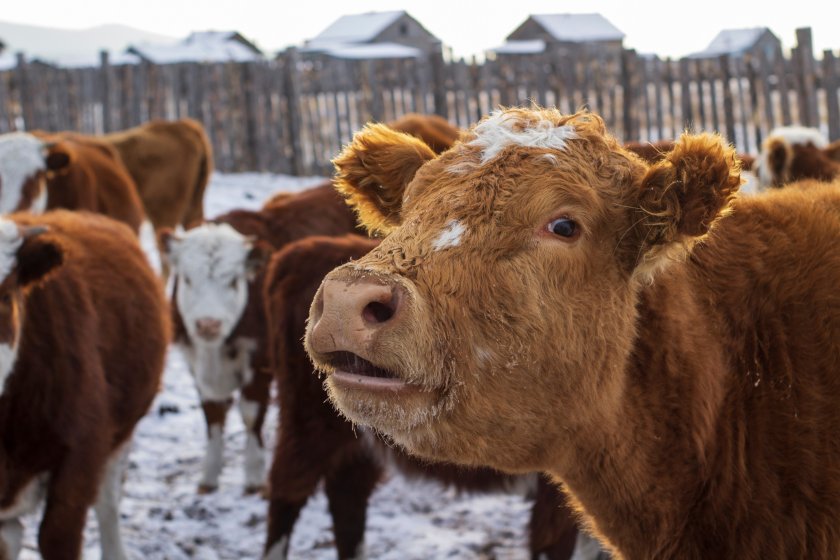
351 371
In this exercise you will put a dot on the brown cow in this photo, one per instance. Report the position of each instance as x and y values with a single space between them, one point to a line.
45 171
545 301
316 444
794 153
83 335
434 130
171 162
218 310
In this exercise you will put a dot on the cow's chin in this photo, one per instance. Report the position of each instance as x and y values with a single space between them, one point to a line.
389 404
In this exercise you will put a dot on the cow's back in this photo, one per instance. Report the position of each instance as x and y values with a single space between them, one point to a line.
113 317
171 162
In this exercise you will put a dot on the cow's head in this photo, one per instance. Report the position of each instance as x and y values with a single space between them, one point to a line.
792 153
213 264
25 162
26 258
505 290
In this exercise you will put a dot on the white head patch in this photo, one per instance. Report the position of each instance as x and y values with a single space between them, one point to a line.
21 157
450 236
501 130
210 262
10 241
794 135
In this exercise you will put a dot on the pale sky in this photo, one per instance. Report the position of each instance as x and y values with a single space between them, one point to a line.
667 28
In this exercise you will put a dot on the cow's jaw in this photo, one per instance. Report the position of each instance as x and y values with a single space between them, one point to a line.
21 161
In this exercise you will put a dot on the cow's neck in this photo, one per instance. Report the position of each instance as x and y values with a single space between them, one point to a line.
639 473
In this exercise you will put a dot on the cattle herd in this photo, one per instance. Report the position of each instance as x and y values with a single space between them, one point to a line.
527 303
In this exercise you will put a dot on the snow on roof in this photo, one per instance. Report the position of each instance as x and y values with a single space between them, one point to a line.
534 46
732 41
7 61
355 51
75 60
205 46
358 28
579 28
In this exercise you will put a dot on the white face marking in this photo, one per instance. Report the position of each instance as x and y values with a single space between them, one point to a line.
21 157
450 236
210 263
501 130
10 242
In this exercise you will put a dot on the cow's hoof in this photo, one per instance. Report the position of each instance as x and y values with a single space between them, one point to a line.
255 489
206 489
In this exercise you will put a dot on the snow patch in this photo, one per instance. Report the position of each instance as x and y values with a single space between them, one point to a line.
501 130
450 236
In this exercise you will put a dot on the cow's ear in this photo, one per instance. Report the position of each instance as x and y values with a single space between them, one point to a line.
681 198
37 256
776 157
373 171
59 157
257 258
167 242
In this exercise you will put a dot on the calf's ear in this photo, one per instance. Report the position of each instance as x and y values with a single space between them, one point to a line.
257 258
682 196
167 241
59 157
373 171
37 256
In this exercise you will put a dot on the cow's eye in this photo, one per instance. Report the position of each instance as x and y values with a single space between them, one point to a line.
564 227
232 284
187 281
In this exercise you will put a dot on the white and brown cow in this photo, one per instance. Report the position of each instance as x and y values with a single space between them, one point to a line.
44 171
545 300
793 153
83 335
219 326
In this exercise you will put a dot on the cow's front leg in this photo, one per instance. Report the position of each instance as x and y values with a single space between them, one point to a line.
253 404
215 413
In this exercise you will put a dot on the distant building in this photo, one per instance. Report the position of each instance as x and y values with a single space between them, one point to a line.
564 35
2 46
740 42
374 35
204 46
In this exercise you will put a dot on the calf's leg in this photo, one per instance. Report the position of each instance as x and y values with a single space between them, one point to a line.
215 413
107 506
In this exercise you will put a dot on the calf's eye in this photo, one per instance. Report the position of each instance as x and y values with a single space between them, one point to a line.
563 227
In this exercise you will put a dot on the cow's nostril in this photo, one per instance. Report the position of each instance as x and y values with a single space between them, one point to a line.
378 312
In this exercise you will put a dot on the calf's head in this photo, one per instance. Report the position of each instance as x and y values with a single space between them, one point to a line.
25 162
213 264
25 259
505 290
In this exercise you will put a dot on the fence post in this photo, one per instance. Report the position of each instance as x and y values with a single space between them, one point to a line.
685 96
105 91
291 59
831 81
806 78
439 82
628 68
728 109
27 106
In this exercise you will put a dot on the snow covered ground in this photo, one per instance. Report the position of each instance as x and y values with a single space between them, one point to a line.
164 519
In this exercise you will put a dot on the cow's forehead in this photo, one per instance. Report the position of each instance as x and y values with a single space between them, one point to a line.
21 156
213 251
10 241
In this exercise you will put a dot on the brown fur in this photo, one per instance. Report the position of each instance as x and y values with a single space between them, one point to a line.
316 444
434 130
86 174
685 399
653 152
93 341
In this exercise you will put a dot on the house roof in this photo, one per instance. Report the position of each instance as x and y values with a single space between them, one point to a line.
205 46
532 46
366 51
359 28
579 28
732 41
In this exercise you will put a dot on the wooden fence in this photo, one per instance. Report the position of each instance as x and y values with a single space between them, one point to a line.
292 114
